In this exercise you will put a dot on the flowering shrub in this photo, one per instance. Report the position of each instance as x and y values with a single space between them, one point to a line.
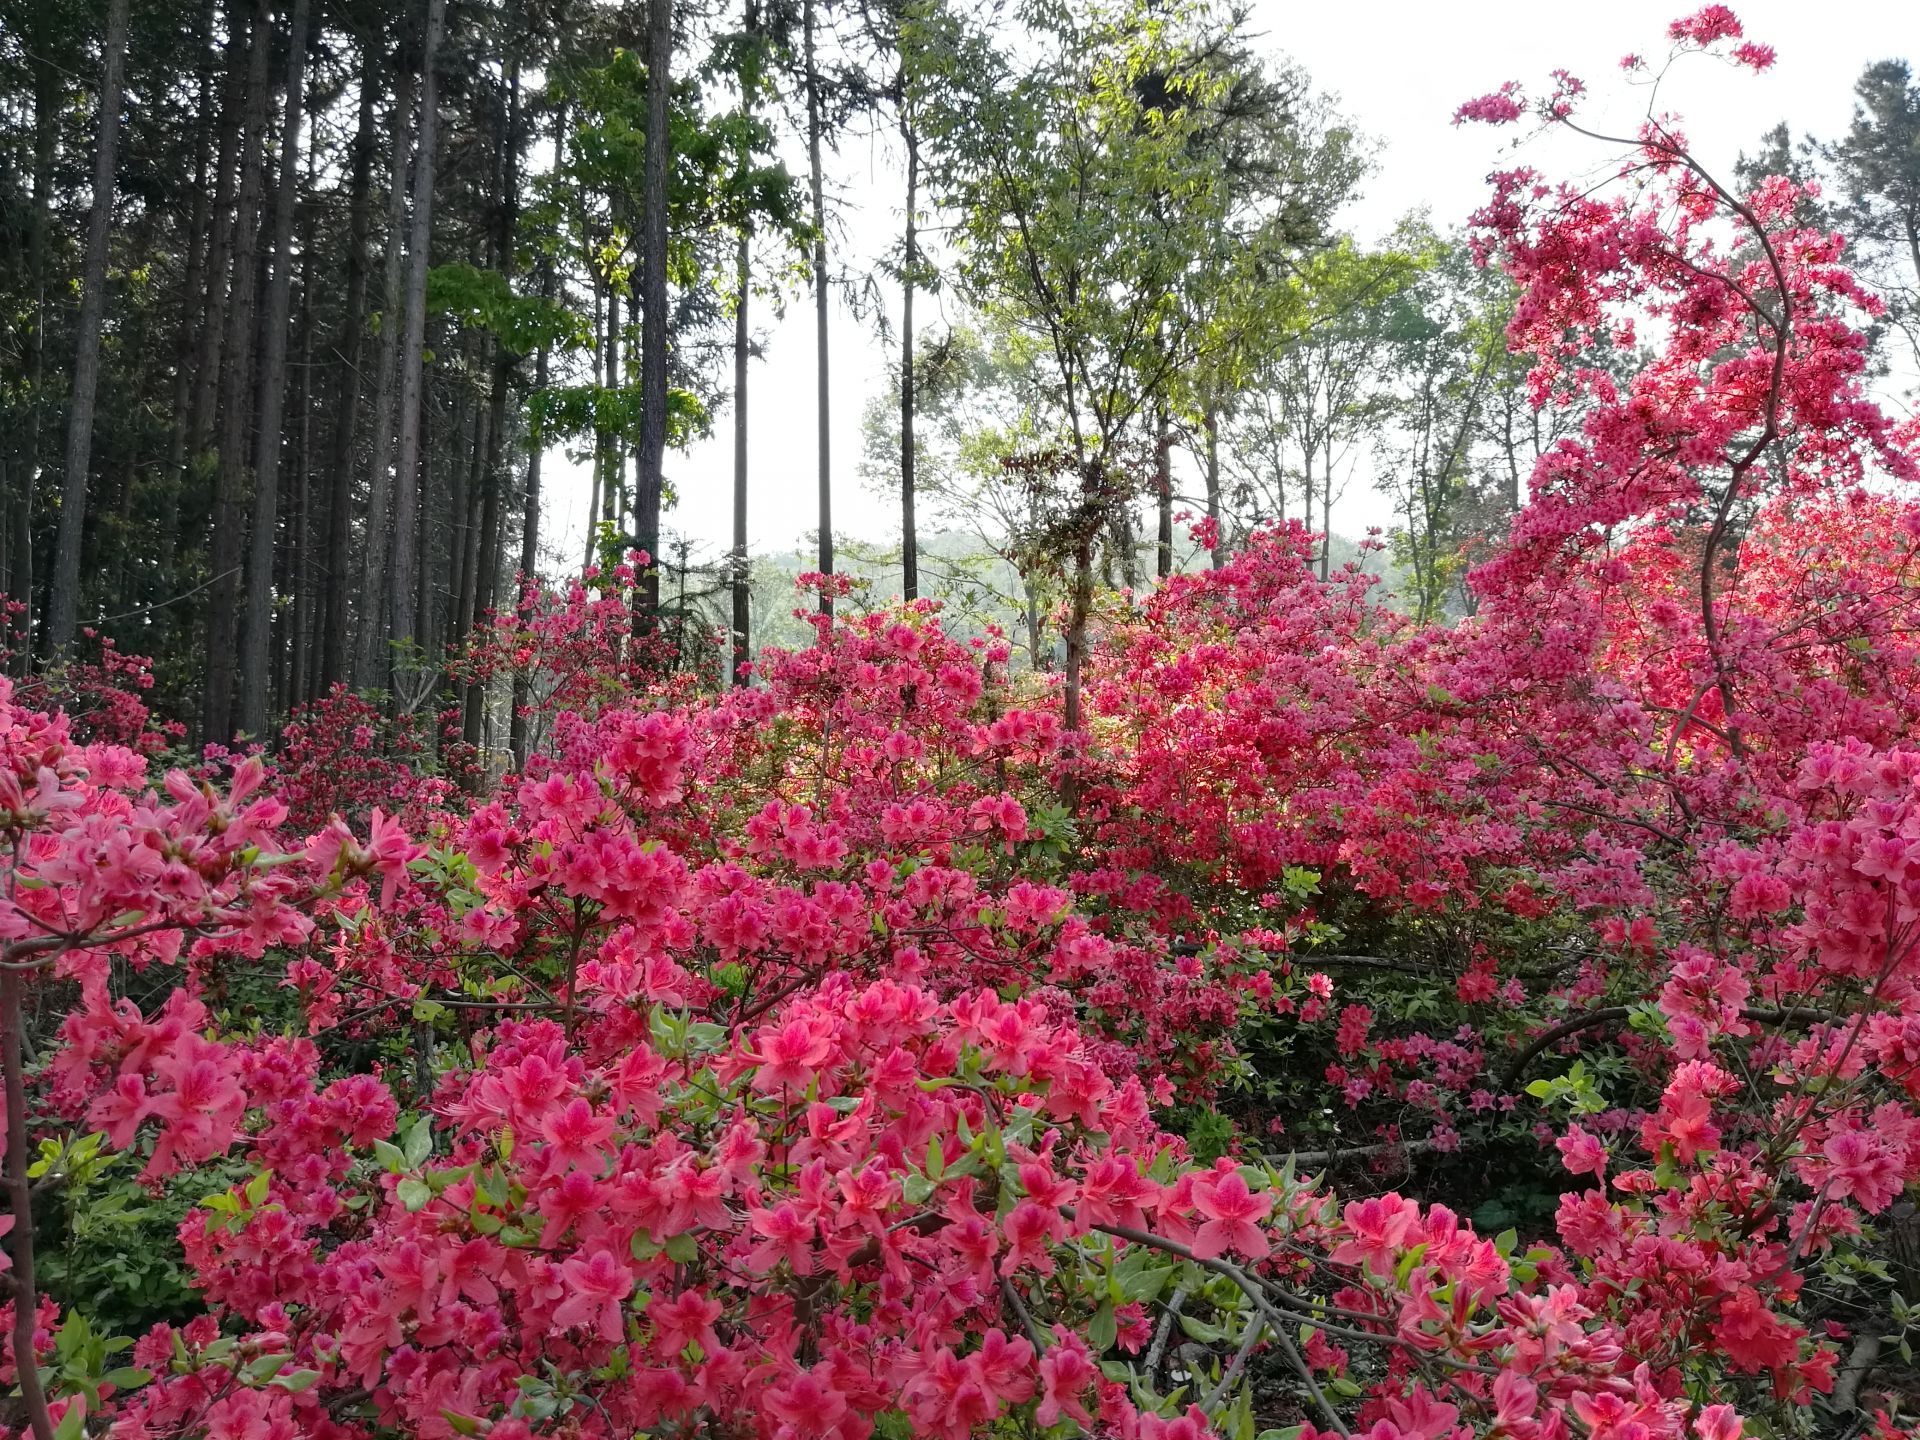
861 1052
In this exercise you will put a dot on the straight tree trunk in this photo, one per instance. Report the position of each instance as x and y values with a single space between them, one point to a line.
209 366
256 676
599 423
737 561
487 567
530 518
374 657
303 671
63 606
236 389
529 562
909 534
650 477
820 303
46 107
1163 494
406 485
1212 425
613 464
192 288
349 350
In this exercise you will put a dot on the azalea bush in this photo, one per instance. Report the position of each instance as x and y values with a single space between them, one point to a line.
865 1052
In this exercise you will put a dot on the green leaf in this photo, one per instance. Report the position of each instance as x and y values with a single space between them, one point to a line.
296 1380
682 1249
1103 1329
389 1156
418 1144
1200 1330
414 1194
256 1191
263 1367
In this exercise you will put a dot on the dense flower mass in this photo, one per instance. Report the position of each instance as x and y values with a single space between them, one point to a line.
864 1053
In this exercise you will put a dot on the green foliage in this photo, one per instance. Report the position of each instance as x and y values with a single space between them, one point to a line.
107 1246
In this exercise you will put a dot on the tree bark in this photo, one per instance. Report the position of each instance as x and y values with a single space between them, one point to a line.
63 604
909 534
820 304
235 392
650 477
1163 493
1211 422
737 561
406 485
303 669
46 107
372 663
192 288
20 1204
209 366
256 683
530 517
349 350
487 564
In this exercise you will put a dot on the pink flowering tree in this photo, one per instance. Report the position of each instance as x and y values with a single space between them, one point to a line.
810 1062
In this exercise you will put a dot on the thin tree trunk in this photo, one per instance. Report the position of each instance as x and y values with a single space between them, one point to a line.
256 683
649 482
613 465
374 658
1163 493
737 561
350 348
63 607
1326 511
209 366
303 671
909 533
46 106
820 302
599 423
1211 422
236 390
19 1188
406 487
191 290
492 505
530 519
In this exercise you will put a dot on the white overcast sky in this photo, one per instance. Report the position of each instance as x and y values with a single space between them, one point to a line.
1398 69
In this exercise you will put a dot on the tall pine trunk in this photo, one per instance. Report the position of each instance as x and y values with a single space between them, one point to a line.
1163 493
351 387
406 484
909 533
530 515
649 479
371 667
63 604
46 107
256 675
820 300
493 495
737 560
192 287
209 365
236 392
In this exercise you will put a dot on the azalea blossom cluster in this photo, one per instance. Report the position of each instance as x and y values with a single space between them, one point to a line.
807 1061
